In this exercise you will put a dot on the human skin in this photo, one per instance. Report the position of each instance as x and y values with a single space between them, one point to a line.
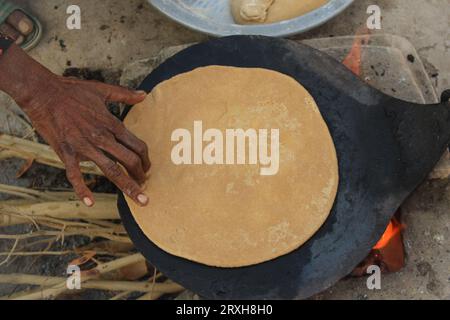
71 115
17 26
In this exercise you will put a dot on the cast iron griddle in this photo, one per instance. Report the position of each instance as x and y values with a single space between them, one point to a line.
385 148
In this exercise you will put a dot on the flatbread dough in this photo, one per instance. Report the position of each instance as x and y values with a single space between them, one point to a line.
270 11
231 215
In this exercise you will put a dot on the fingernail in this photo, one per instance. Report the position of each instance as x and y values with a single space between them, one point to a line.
88 202
143 199
23 27
20 40
141 92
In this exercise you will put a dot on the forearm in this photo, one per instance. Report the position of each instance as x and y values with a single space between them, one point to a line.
21 77
72 117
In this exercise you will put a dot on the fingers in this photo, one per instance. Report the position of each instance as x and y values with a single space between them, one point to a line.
130 160
132 142
12 33
116 175
121 94
75 177
20 22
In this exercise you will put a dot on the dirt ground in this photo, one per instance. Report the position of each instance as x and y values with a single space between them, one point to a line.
116 32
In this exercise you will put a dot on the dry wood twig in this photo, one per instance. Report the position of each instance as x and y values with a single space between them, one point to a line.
25 149
54 290
57 215
61 205
133 286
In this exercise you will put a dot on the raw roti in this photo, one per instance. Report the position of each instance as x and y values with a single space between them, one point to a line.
231 215
270 11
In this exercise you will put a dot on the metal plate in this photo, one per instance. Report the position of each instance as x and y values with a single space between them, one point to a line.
214 17
385 148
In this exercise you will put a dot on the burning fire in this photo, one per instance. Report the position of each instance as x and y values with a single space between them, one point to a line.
393 230
353 60
388 253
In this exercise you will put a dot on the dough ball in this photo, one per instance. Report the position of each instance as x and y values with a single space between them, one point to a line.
270 11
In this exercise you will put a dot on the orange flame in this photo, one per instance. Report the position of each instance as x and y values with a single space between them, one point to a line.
388 252
393 229
353 60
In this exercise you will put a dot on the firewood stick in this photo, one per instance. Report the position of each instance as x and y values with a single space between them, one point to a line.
38 195
125 294
156 294
108 246
56 289
53 253
164 288
107 234
122 296
20 148
13 212
107 285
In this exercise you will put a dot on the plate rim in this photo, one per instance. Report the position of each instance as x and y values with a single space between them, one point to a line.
290 27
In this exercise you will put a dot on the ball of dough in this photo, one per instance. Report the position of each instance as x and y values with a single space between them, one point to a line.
270 11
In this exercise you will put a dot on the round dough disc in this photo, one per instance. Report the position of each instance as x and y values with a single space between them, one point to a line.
231 215
270 11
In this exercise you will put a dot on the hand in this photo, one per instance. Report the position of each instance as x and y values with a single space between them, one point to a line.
72 117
